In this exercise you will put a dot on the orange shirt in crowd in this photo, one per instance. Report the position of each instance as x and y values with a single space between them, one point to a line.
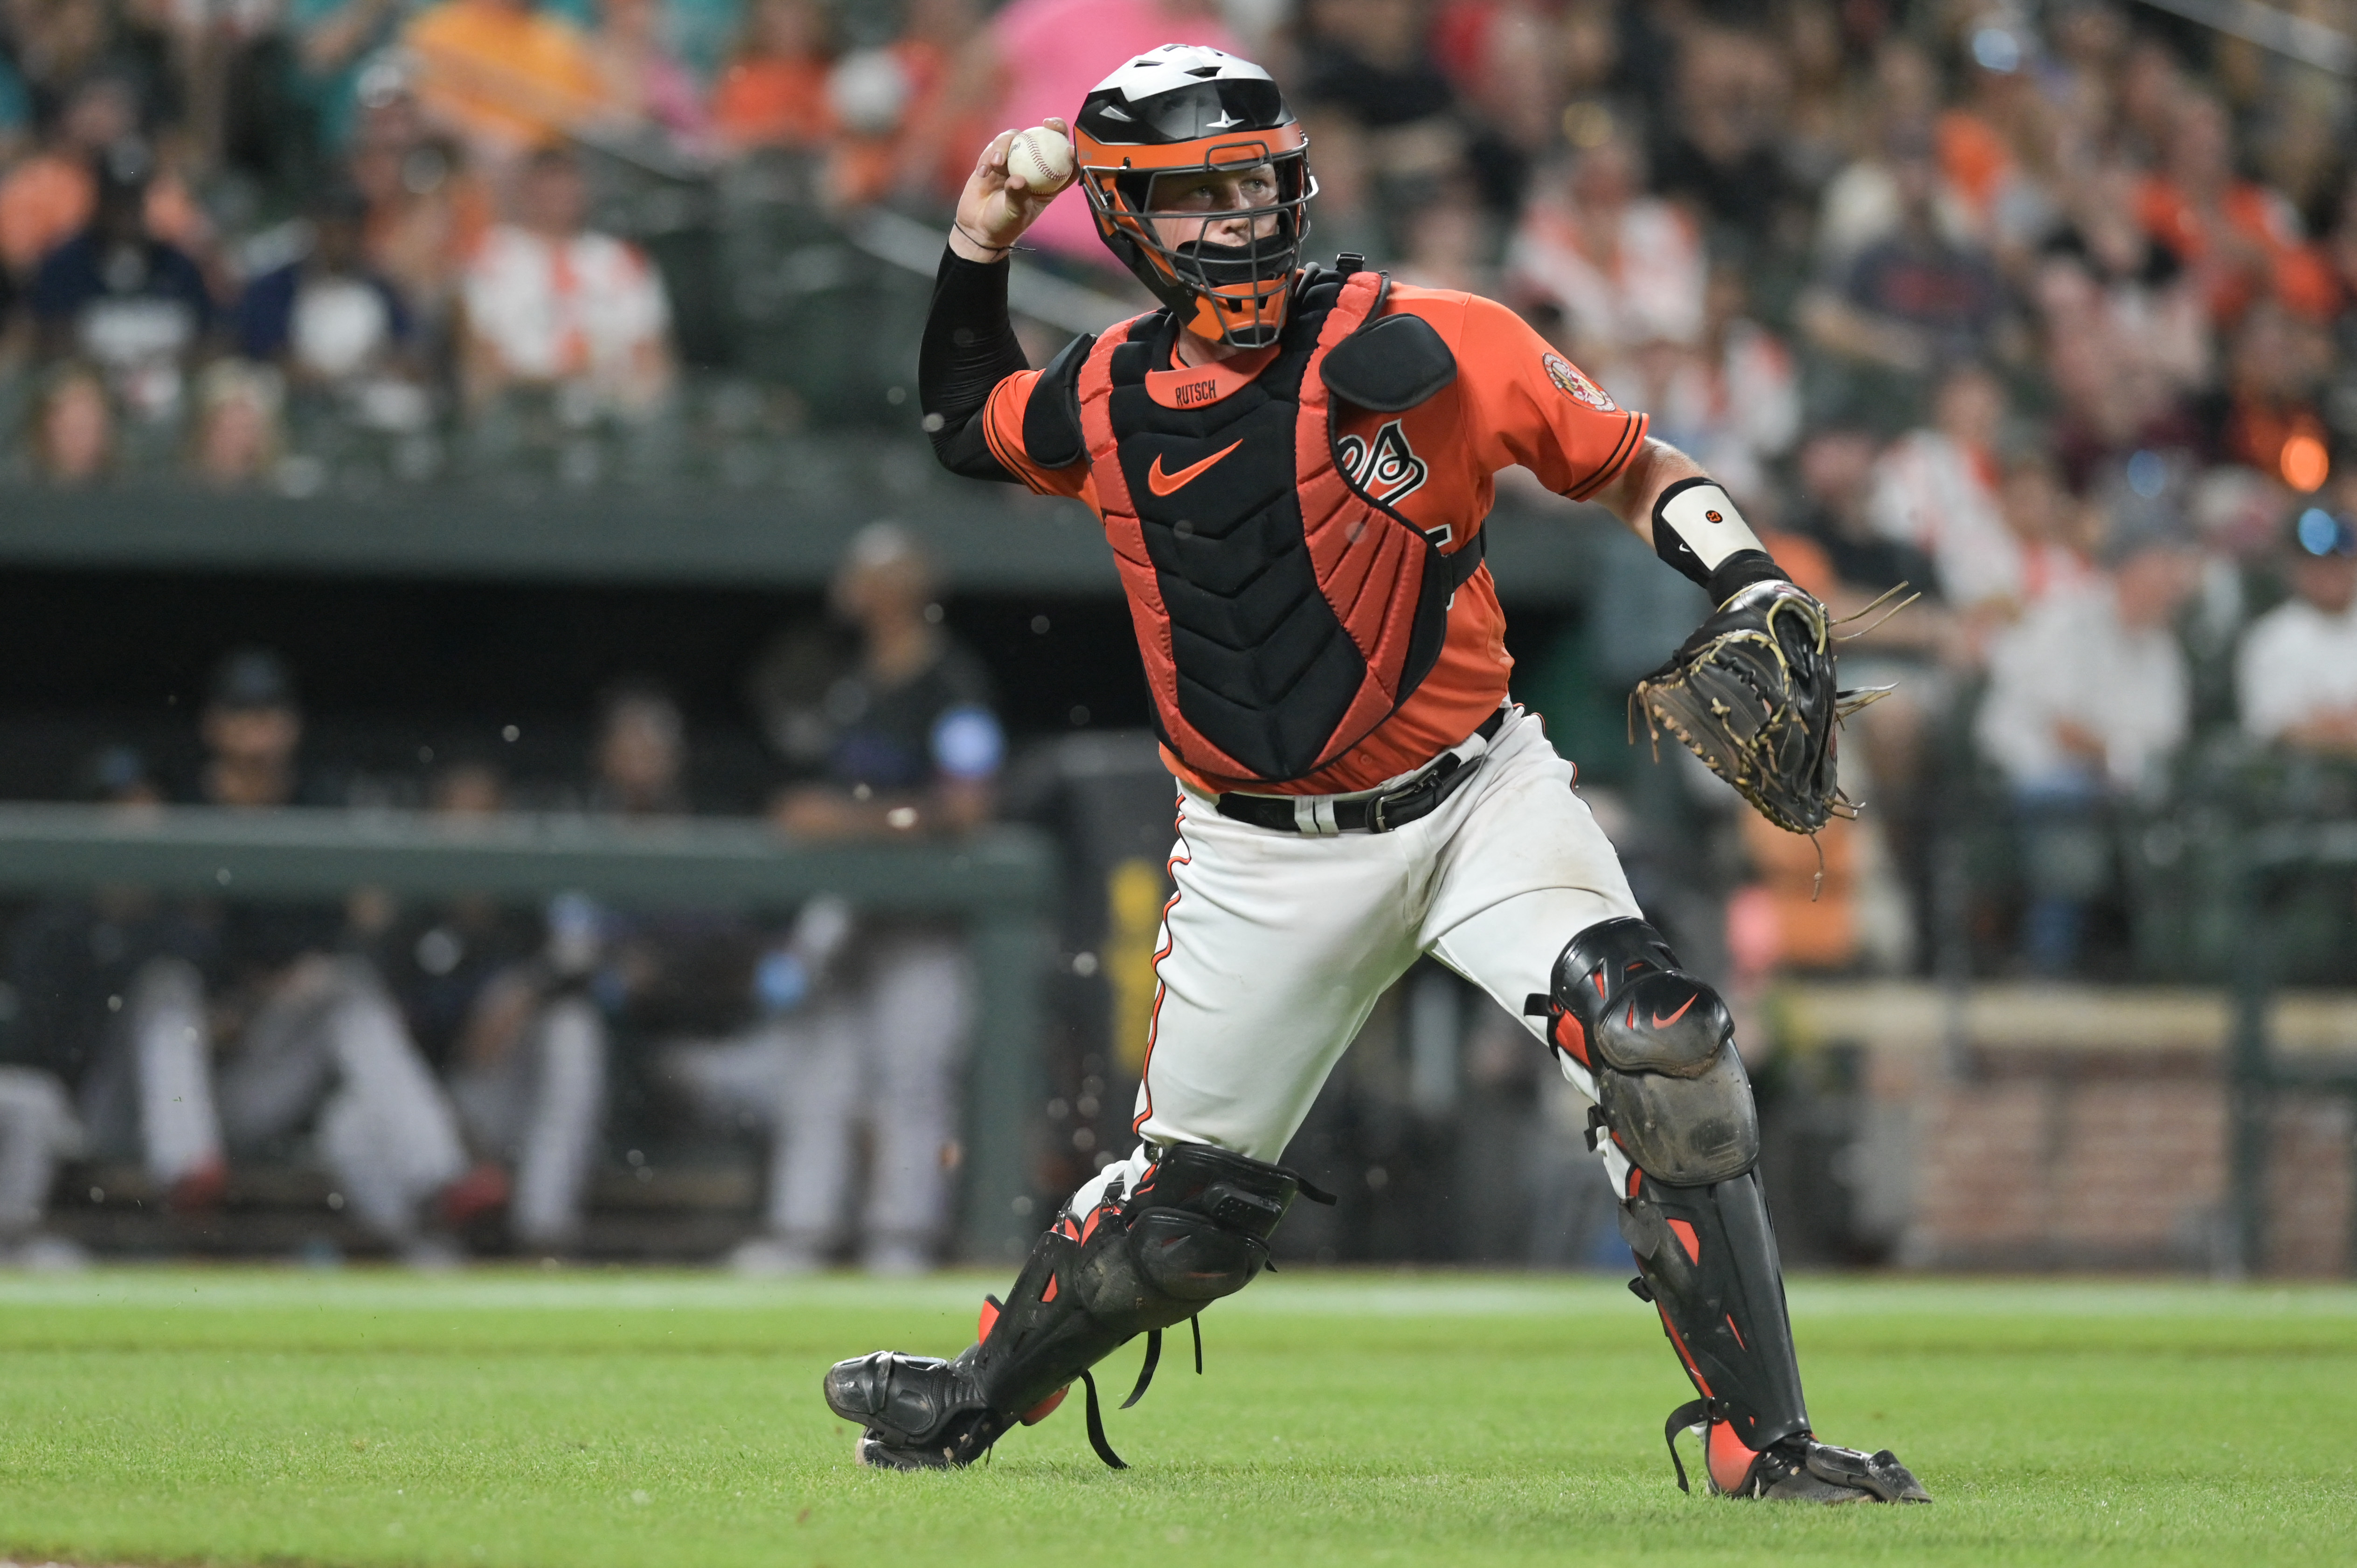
2294 271
502 73
1514 400
768 100
932 150
48 199
1973 158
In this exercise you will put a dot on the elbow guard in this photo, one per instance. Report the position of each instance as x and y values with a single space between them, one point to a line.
1697 530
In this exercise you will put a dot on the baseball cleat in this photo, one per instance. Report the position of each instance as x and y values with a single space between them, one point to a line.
1803 1470
916 1413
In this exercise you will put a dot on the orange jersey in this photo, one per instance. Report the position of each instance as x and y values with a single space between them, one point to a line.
1514 400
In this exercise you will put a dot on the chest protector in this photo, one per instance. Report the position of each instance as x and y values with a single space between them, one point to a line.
1282 610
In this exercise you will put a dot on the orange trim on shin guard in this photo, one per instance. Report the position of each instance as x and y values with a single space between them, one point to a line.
1046 1407
1731 1462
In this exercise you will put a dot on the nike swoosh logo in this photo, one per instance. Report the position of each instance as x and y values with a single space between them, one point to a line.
1163 484
1661 1023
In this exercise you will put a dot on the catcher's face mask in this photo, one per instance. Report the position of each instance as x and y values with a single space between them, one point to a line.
1197 175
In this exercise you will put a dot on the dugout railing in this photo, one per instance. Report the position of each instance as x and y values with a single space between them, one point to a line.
2269 859
998 883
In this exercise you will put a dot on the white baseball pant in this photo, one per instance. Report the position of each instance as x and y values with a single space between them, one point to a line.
1276 947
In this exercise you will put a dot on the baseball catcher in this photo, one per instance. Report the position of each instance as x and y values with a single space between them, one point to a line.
1292 463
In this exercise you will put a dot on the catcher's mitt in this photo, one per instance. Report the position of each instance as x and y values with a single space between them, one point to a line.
1751 693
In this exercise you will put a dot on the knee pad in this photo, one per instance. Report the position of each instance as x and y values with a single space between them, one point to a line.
1660 1047
1196 1229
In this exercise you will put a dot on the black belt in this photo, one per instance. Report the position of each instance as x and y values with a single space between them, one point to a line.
1368 814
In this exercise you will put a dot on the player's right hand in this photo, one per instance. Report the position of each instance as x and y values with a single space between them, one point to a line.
997 205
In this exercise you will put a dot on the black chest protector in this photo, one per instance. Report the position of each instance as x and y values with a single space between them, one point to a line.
1282 610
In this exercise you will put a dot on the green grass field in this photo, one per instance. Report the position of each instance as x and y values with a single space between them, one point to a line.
580 1419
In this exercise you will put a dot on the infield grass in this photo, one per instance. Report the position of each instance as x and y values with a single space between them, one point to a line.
603 1419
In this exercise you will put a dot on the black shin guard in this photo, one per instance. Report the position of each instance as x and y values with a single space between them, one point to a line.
1672 1096
1713 1272
1195 1229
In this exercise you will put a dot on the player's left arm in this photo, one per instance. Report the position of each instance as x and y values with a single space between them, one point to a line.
1668 501
1526 403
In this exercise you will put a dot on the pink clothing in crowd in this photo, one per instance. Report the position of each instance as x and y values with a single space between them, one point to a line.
1051 52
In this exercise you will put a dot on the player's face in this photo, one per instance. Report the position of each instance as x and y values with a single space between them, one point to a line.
1238 201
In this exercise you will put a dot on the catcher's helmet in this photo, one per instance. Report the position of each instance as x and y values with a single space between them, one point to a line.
1184 108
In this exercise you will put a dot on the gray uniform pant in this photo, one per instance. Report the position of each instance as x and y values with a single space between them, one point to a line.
538 1109
37 1128
884 1052
329 1049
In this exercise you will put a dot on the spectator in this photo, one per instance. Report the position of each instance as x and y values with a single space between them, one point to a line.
311 1040
134 305
66 957
335 43
1730 399
2128 336
1909 651
2297 673
1367 79
236 436
2243 241
1912 300
49 197
645 85
1045 55
2265 416
1718 148
642 759
503 75
910 745
1862 205
773 94
947 114
428 213
551 305
502 1012
327 318
1624 268
2088 701
71 437
1936 488
1996 148
910 115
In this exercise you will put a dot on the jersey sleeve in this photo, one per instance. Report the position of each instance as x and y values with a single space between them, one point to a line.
1002 427
1526 403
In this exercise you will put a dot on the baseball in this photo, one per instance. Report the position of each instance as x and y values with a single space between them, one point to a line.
1043 157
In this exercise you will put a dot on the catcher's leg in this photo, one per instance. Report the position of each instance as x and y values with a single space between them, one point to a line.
1674 1122
1126 1258
1273 952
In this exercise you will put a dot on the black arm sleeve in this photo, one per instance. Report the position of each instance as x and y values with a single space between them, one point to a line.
969 347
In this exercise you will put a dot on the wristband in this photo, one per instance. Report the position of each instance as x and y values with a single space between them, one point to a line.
1696 528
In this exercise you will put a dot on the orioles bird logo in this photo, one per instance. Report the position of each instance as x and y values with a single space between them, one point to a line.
1388 469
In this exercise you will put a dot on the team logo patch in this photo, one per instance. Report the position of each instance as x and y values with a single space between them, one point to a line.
1565 375
1388 468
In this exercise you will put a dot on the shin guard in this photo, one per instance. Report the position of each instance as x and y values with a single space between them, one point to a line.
1195 1229
1672 1098
1712 1271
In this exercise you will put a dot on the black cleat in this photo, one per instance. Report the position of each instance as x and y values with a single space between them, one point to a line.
1797 1469
918 1413
1803 1470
